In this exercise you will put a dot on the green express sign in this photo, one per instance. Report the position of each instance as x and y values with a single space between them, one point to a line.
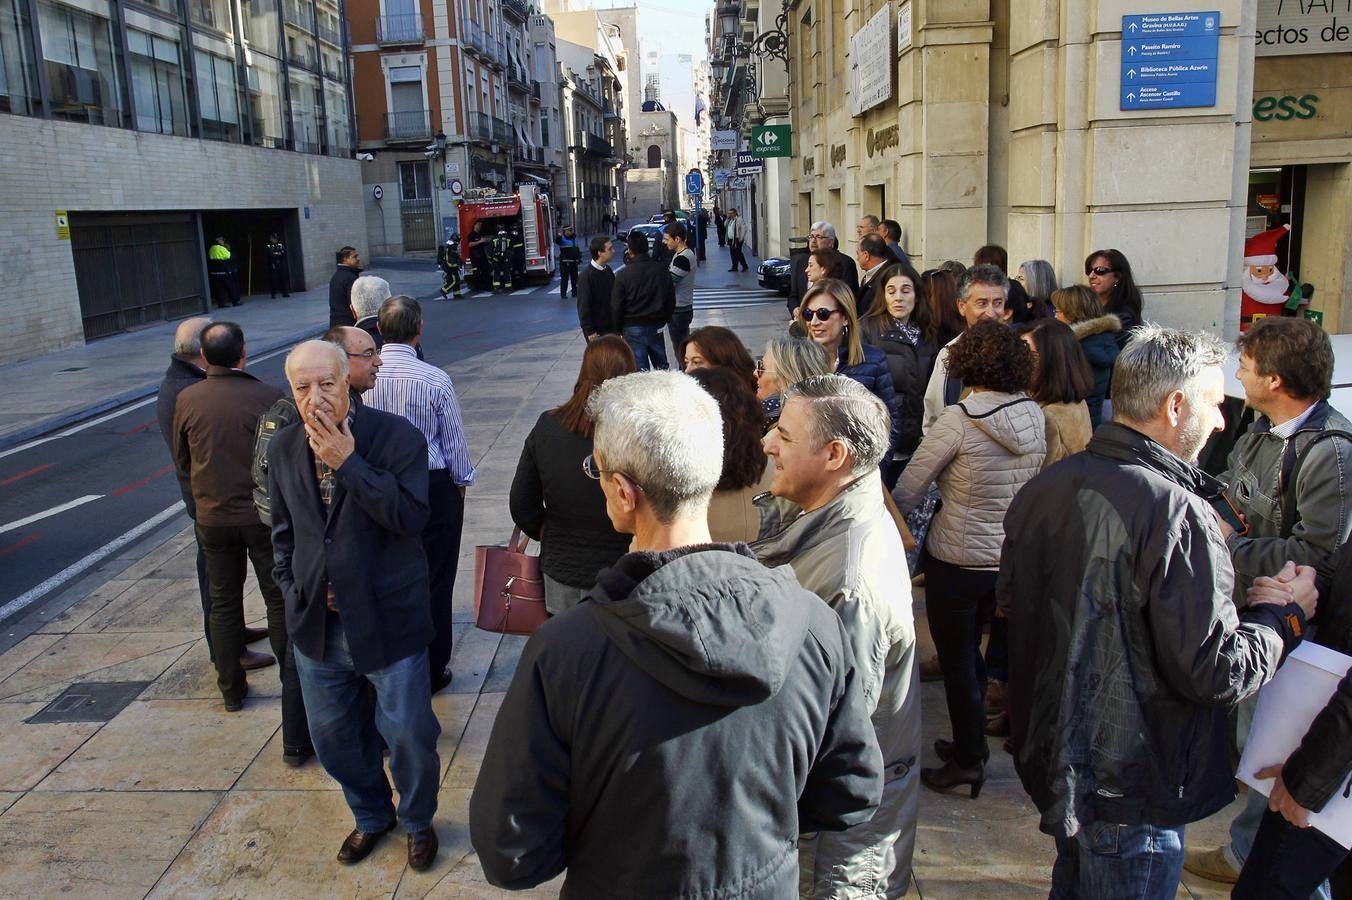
1285 108
771 140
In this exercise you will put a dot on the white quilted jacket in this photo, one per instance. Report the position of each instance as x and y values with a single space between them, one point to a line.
981 451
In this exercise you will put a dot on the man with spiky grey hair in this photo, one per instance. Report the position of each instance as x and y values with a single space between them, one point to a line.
697 710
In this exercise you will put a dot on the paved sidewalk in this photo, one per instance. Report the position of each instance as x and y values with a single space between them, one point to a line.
173 797
68 386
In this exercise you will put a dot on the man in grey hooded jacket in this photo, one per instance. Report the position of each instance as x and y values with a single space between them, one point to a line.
674 734
844 547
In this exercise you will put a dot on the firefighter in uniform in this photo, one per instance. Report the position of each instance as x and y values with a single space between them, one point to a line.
478 257
277 267
518 256
448 261
500 259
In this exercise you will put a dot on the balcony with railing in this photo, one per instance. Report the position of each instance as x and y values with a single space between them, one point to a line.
598 145
516 79
529 155
535 92
502 132
406 28
329 34
609 110
487 129
496 52
408 125
298 14
516 8
472 38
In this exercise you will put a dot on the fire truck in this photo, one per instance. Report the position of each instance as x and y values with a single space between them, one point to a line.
529 209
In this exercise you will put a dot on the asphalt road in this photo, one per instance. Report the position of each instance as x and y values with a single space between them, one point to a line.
70 496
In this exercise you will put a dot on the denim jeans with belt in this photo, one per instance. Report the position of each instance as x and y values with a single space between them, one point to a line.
650 351
346 728
1118 862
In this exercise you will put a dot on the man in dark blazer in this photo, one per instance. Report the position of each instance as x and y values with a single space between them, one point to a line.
822 236
349 501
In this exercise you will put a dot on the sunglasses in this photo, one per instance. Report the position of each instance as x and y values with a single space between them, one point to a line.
760 365
821 313
1098 270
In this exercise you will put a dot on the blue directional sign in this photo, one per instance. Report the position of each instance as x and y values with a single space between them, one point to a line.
1169 60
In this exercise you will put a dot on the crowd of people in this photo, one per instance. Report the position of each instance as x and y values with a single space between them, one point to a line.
725 699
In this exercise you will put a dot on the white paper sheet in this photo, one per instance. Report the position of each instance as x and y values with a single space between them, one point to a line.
1286 706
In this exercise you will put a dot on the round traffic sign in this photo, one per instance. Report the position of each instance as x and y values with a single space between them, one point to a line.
377 192
457 187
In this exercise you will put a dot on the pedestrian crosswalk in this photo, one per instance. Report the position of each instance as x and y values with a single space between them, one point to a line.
733 297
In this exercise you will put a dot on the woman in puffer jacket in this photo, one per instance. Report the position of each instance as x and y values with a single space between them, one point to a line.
981 451
1098 334
832 321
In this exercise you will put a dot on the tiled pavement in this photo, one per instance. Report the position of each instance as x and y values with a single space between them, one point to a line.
175 798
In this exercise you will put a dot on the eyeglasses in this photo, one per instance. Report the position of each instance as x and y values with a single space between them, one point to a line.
594 472
366 354
760 365
821 313
1098 270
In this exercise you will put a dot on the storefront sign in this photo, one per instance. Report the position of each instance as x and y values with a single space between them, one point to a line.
1285 108
748 164
1169 60
837 155
903 28
870 73
740 183
723 140
882 139
1290 27
769 141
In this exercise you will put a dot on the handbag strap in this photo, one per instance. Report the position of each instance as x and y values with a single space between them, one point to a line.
518 541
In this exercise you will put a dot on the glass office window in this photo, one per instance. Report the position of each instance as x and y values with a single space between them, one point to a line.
265 101
339 126
167 7
77 47
300 49
214 14
157 83
306 120
262 27
217 90
18 72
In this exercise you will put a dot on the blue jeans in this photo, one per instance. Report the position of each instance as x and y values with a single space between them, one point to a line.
346 728
650 351
1287 862
1118 862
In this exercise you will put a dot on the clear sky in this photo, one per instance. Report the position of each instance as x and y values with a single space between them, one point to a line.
668 26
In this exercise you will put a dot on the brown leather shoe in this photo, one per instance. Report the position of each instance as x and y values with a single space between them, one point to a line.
251 659
359 844
422 849
254 635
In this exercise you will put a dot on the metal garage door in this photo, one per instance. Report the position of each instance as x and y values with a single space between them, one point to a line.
135 268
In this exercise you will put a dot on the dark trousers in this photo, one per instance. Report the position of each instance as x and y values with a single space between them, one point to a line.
441 543
678 329
1287 862
220 289
958 601
228 549
204 588
450 281
277 281
295 724
502 274
567 274
738 257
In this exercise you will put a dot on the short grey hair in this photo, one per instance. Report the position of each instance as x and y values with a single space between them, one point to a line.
1039 278
825 228
1158 361
841 409
338 354
664 432
188 336
797 358
986 274
368 292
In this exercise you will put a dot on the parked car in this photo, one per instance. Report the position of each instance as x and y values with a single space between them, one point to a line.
653 232
773 274
659 218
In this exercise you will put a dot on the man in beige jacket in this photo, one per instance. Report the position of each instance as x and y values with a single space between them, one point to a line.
830 524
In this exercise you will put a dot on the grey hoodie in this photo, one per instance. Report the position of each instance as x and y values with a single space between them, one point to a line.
981 451
674 735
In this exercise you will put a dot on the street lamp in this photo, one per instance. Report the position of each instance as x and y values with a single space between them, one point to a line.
766 45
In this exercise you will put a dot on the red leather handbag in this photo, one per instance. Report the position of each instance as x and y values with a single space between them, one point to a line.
509 590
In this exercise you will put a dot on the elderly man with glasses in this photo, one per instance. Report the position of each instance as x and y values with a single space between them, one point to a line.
822 236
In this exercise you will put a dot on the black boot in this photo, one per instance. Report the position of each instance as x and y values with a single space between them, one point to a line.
952 775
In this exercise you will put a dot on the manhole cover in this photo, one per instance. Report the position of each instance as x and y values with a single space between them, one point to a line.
94 701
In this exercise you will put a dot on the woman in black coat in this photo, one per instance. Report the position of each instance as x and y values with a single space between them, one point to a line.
553 501
897 322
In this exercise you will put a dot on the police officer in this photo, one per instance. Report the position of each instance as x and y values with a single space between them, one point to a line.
500 259
278 270
221 271
448 260
569 258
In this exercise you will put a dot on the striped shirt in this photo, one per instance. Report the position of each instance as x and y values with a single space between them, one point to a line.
424 395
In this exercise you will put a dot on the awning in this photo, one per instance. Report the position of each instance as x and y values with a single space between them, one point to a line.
542 182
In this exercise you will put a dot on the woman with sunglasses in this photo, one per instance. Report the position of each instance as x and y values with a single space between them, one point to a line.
832 322
898 324
1110 279
553 501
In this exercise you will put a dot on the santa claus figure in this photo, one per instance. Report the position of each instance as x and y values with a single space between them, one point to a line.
1266 287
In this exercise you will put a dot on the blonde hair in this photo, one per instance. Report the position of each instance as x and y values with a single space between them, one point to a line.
1077 303
840 292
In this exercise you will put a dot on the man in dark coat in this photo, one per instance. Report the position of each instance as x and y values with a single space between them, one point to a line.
1123 667
595 286
700 712
642 303
348 486
822 236
340 287
214 425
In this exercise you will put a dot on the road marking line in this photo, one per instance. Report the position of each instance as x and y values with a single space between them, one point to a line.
22 475
523 291
74 569
48 513
142 482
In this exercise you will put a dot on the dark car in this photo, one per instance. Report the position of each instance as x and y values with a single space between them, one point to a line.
652 232
773 274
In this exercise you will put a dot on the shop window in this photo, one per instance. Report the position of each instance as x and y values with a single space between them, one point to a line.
157 84
18 73
77 47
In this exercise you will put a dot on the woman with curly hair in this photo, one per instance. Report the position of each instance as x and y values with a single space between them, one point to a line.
714 345
746 469
981 451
